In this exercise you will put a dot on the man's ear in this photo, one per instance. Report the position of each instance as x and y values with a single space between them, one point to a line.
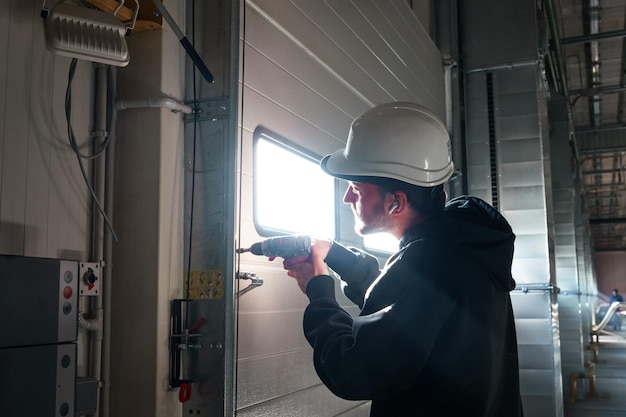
400 201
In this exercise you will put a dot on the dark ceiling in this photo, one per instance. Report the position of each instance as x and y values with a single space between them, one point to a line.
592 48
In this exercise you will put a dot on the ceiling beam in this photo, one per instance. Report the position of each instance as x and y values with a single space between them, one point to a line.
601 139
593 37
599 150
615 246
609 89
601 171
613 220
601 128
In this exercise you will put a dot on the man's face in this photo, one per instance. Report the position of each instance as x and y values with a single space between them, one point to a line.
368 207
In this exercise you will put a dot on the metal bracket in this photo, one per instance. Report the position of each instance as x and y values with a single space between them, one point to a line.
254 282
180 340
450 62
526 288
210 109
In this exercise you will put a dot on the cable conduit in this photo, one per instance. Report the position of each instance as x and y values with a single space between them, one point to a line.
162 102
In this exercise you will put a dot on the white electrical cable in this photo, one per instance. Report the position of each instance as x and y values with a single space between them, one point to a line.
74 145
87 324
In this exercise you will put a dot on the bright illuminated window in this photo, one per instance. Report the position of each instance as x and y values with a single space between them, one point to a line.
382 242
292 194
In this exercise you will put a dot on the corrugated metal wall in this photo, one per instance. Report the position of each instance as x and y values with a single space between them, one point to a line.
309 68
586 267
566 261
508 165
522 195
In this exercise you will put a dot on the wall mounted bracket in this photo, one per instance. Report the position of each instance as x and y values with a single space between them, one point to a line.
254 282
182 339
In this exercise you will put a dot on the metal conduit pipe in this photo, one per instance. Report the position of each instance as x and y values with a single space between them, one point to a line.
590 376
108 260
97 238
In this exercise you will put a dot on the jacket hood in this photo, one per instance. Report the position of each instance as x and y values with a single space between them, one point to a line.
478 231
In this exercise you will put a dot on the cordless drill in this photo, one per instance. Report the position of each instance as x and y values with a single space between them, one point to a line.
281 246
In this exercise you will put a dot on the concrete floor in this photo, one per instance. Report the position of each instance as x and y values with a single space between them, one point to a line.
610 400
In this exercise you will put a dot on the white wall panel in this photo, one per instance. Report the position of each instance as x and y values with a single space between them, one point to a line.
13 206
289 93
329 42
305 403
297 61
278 375
259 111
44 202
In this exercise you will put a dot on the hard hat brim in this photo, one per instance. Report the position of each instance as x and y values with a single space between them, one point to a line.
338 166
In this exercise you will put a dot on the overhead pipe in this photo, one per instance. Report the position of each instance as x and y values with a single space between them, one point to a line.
508 66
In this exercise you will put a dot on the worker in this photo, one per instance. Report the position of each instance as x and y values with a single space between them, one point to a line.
616 319
435 334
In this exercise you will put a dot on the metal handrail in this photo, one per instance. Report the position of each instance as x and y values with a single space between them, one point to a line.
596 329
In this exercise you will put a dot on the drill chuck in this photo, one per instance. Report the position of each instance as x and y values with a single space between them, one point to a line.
281 246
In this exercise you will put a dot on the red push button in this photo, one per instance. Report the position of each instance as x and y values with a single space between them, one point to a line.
184 394
67 292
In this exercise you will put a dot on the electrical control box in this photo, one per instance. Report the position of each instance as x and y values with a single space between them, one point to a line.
38 328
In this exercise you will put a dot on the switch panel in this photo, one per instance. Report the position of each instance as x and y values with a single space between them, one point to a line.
90 274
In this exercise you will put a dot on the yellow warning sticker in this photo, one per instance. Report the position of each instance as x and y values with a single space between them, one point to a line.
205 285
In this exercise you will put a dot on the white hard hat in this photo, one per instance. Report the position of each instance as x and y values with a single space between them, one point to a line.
399 140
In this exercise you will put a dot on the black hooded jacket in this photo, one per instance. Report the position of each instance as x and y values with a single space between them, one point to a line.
435 335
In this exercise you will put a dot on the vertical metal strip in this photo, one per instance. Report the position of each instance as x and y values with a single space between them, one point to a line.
493 161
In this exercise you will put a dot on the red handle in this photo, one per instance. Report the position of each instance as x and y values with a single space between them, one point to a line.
184 394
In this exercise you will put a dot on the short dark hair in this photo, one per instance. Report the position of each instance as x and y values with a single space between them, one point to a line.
426 200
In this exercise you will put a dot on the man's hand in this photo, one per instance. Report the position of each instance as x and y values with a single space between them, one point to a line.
304 267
